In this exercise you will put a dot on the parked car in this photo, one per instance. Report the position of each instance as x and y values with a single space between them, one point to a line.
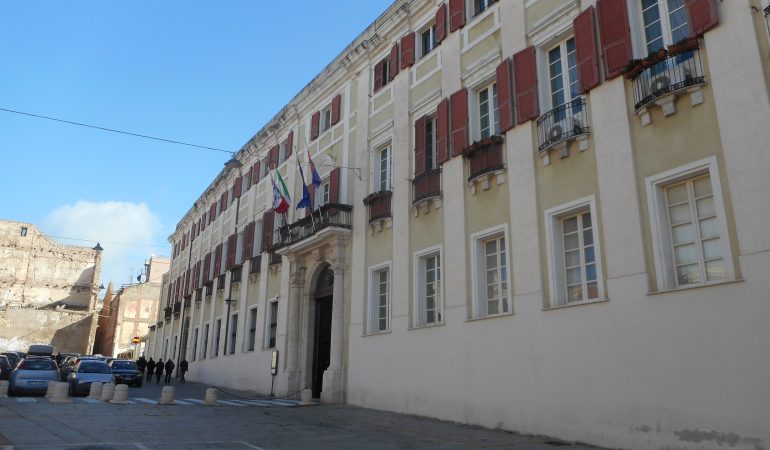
33 374
85 372
69 365
125 371
40 350
13 358
5 368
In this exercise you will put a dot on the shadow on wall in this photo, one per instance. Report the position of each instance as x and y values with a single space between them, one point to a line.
79 295
74 337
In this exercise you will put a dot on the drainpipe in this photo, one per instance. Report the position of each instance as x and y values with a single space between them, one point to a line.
232 163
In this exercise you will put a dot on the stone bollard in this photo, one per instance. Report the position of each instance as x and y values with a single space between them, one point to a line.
3 388
51 388
306 397
211 397
167 396
121 395
96 390
108 390
60 394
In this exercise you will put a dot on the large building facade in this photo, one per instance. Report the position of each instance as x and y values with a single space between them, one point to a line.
547 216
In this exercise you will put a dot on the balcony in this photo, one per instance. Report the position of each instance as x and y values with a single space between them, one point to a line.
236 274
255 264
562 125
209 288
328 215
167 311
274 258
198 295
220 282
426 191
187 301
380 211
485 158
662 77
177 308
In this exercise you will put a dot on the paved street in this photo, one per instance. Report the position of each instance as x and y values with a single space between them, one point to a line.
242 421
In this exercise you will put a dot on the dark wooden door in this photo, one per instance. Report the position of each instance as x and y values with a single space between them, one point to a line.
322 342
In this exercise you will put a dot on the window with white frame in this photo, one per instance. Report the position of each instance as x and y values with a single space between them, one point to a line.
573 253
491 274
665 22
239 247
382 166
271 330
233 332
379 299
205 346
245 183
431 157
489 122
217 335
252 340
322 194
690 241
429 293
326 119
427 40
263 168
562 75
194 353
479 6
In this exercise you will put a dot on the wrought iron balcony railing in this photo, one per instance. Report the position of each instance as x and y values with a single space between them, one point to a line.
220 282
563 123
379 205
671 73
274 258
484 156
328 215
255 265
167 311
236 274
426 185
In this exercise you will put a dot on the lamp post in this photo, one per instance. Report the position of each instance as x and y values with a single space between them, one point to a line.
233 163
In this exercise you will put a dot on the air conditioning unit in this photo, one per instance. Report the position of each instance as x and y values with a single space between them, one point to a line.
555 133
570 125
658 84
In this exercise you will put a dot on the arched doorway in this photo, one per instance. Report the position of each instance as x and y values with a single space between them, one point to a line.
322 330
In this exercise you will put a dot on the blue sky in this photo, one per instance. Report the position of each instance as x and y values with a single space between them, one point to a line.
208 73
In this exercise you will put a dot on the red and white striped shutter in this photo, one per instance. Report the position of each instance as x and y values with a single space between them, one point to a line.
419 145
456 15
587 53
334 185
504 95
615 36
237 186
289 144
248 249
703 15
394 61
407 51
315 122
440 23
525 83
442 131
232 241
377 81
267 230
336 104
459 121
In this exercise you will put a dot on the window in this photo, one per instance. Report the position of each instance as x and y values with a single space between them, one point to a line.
431 157
489 122
205 345
233 332
479 6
194 344
690 241
381 73
272 324
562 74
573 253
429 295
382 170
427 40
252 329
326 119
491 270
322 194
263 168
217 334
665 22
23 231
245 184
379 304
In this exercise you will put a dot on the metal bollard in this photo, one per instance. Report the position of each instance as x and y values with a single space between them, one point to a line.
108 390
3 389
51 388
211 397
96 390
167 396
60 394
121 395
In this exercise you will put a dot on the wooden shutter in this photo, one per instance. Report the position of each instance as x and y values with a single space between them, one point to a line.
315 121
442 131
232 241
248 247
218 260
334 185
203 221
212 212
377 80
273 156
702 15
237 186
504 95
394 61
336 104
289 144
456 15
224 201
441 23
267 230
207 267
407 50
459 121
192 233
587 54
419 145
525 82
255 173
615 36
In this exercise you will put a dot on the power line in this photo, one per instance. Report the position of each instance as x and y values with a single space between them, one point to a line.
103 242
112 130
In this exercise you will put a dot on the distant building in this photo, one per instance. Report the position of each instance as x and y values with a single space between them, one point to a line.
129 312
48 291
547 216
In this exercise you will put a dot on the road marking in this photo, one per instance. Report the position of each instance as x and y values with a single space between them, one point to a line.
182 402
279 402
229 403
249 445
140 446
146 400
26 400
89 400
195 400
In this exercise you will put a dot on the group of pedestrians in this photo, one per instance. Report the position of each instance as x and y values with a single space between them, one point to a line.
157 368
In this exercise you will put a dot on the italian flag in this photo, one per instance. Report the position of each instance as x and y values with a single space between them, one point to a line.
280 199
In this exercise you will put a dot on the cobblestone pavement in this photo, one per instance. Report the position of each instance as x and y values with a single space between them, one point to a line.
31 423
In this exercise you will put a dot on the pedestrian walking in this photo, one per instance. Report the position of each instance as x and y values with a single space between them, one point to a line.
182 369
158 370
169 370
141 364
150 369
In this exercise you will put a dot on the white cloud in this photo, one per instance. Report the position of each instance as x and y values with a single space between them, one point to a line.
122 228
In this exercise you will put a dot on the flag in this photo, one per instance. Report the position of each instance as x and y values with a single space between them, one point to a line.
285 192
280 205
314 177
306 201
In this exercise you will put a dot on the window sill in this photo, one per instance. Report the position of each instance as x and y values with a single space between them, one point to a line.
496 316
426 326
377 333
696 286
572 305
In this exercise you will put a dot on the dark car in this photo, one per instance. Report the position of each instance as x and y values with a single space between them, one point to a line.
5 368
126 372
88 371
33 375
13 358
